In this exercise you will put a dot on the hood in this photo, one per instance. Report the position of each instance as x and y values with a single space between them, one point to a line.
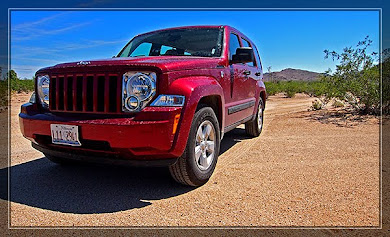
164 63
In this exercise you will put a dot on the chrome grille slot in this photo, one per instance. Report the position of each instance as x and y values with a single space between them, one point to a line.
85 93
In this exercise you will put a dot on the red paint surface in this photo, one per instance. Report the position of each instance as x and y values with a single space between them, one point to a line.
149 132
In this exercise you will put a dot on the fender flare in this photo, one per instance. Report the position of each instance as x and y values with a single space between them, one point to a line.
193 88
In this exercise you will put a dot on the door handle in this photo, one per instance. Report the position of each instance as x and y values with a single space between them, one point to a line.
247 72
258 74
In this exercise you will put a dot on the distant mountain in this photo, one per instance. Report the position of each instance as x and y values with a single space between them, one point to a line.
290 74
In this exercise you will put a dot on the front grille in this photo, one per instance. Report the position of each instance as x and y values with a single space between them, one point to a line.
86 93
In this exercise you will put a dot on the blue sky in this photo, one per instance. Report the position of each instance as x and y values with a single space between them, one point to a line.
294 39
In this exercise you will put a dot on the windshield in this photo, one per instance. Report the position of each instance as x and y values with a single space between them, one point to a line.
201 42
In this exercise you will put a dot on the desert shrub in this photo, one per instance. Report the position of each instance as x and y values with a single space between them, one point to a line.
337 104
293 87
386 81
3 93
356 79
290 92
312 88
316 88
272 88
15 84
317 104
19 85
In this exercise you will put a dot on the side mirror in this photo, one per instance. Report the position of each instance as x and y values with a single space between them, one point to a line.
243 55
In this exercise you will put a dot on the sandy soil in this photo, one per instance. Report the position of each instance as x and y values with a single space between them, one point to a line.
303 170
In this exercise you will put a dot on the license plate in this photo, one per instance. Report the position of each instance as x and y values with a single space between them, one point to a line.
65 134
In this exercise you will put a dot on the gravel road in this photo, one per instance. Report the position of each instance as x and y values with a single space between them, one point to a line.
305 169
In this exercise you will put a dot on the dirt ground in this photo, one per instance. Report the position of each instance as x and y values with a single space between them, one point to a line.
306 169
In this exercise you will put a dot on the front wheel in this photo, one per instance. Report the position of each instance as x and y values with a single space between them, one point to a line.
199 159
255 126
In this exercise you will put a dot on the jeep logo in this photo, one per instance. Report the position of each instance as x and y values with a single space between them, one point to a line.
83 63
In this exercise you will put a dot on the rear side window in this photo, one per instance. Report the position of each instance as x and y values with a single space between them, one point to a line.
233 45
257 57
245 43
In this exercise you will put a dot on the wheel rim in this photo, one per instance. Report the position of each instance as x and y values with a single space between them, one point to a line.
205 145
260 117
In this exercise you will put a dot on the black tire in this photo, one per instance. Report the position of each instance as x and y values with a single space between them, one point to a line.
59 160
187 170
255 126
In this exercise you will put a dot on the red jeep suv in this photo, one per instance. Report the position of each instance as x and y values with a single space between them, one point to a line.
166 99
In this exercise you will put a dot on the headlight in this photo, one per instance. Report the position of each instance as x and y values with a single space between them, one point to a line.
43 83
169 100
138 88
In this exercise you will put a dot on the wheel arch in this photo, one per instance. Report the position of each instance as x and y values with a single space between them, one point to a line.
263 96
197 90
215 102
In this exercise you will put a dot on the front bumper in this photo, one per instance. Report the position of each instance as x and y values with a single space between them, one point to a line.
104 159
147 135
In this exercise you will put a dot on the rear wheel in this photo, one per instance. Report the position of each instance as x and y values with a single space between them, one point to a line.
199 159
255 126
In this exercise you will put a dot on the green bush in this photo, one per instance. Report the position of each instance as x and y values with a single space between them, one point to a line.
316 88
273 88
18 85
312 88
356 79
386 81
290 93
3 93
316 104
337 104
292 87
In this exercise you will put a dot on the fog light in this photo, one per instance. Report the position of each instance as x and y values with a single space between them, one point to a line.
132 103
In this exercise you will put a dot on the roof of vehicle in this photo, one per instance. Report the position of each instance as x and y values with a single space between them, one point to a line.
182 27
197 26
230 28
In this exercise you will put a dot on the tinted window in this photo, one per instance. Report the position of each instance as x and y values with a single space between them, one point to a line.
142 50
201 42
257 57
233 45
247 44
168 50
164 49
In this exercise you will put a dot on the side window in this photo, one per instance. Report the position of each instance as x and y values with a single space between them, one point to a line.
245 43
257 57
164 49
233 45
142 50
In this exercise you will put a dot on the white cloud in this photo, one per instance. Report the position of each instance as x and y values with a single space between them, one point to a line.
42 27
28 63
41 21
92 44
30 33
25 71
21 52
22 58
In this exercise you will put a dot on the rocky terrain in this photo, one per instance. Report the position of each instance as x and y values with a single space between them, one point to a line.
290 74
